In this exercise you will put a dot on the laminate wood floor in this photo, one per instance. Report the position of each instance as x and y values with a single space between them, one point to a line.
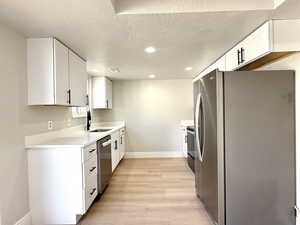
149 192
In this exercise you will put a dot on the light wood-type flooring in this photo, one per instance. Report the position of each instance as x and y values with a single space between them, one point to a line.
149 192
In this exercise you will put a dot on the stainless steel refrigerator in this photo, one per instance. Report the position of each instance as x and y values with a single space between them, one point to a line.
245 147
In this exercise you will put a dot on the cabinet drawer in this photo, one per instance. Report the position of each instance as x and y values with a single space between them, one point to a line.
91 193
89 152
90 171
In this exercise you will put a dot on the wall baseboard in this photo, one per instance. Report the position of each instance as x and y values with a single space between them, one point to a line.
25 220
129 155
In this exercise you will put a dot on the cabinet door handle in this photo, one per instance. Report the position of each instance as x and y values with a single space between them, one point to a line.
87 100
121 140
92 150
238 55
92 169
116 145
69 96
107 104
93 191
242 55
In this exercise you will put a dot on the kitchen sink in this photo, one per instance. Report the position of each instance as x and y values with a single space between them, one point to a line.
100 130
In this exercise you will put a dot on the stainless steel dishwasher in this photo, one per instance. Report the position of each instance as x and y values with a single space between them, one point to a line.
104 162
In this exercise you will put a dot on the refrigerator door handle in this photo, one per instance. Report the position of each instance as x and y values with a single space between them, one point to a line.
202 149
198 105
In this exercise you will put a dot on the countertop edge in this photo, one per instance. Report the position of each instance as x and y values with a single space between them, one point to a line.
101 135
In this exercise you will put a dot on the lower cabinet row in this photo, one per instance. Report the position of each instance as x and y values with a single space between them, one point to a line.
63 181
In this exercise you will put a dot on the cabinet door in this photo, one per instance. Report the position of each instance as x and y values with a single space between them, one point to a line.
98 93
115 153
257 44
40 81
109 93
232 58
122 144
61 73
78 80
102 93
184 141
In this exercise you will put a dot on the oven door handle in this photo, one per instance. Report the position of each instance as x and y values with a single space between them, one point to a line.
191 132
106 143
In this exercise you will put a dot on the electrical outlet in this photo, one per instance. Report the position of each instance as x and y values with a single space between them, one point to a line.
50 125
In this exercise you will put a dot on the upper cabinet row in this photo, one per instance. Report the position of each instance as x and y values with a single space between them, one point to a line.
55 74
271 41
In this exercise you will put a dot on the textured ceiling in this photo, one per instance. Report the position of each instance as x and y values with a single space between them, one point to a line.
108 40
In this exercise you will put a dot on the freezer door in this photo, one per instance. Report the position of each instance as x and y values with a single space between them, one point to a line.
259 147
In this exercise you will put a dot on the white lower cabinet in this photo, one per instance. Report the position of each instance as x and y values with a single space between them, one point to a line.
184 141
122 143
62 183
117 147
115 150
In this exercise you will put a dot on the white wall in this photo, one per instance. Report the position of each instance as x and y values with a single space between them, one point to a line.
18 120
292 63
13 163
152 110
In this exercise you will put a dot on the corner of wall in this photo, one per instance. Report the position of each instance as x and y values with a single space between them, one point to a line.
25 220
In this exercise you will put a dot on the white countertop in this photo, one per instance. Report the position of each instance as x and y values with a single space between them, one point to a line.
186 123
71 137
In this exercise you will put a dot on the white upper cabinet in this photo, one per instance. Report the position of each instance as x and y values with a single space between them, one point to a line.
233 58
108 92
40 74
271 41
256 45
55 75
78 80
101 93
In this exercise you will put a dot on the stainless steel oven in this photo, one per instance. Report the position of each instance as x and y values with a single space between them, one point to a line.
191 148
104 162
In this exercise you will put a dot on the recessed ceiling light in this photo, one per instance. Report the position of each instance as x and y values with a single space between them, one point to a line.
151 76
115 70
188 68
150 50
95 70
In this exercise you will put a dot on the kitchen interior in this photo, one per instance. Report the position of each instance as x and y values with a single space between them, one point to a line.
150 112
